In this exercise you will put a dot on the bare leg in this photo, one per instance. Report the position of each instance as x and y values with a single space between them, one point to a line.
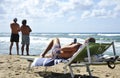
17 45
27 49
56 41
22 48
50 45
11 48
48 48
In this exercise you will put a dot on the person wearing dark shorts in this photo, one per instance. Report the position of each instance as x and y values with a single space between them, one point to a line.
15 28
14 38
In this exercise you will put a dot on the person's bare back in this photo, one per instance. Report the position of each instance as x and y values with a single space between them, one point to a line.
69 50
15 28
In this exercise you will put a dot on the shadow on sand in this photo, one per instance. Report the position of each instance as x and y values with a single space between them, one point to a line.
61 75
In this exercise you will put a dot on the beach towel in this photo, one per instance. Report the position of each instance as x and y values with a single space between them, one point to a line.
46 61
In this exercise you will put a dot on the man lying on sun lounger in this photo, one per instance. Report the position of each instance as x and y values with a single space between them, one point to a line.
58 53
65 52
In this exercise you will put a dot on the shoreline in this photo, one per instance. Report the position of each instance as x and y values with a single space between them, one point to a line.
12 66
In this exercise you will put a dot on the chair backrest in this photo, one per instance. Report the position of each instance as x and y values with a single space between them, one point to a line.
94 49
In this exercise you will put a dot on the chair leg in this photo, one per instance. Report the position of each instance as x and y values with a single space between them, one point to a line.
45 68
71 72
29 66
65 70
88 70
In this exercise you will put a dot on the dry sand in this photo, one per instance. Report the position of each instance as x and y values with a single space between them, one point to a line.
12 66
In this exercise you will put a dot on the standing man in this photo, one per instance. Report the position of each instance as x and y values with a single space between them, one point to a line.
15 28
25 29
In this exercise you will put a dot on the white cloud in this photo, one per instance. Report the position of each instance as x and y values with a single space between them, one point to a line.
98 13
105 3
85 14
103 9
72 18
59 8
117 8
117 11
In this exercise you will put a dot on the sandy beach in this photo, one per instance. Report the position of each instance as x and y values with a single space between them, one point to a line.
12 66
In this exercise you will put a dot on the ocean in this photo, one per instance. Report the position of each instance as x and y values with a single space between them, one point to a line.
39 41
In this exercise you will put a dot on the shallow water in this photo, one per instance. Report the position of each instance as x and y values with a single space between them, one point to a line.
39 41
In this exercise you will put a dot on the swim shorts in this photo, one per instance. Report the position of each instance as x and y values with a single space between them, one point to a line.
14 38
25 39
56 51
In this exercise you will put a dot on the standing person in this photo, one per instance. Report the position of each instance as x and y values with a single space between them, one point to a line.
25 29
15 28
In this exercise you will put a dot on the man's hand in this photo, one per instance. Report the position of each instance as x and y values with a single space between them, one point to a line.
42 55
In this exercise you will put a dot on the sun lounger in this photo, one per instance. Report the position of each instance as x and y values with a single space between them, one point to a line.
87 51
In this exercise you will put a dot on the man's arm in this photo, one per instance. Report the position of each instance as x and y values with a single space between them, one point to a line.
19 29
70 47
30 30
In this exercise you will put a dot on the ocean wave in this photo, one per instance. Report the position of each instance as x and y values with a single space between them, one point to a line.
50 34
108 34
4 39
80 34
39 42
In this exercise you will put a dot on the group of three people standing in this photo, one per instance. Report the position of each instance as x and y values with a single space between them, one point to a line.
25 30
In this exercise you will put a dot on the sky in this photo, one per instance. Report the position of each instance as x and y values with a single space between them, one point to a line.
62 15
